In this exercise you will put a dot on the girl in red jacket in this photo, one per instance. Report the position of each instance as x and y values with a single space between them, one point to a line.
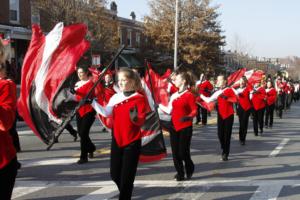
271 99
85 116
258 99
183 109
8 159
243 108
225 98
128 109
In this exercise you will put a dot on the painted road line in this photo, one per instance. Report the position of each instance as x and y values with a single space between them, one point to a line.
103 193
268 192
276 151
51 161
194 189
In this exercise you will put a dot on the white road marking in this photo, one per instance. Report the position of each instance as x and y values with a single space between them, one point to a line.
276 151
268 192
52 161
193 189
103 193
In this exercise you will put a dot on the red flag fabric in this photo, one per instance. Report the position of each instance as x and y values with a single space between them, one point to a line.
256 77
235 77
49 62
159 85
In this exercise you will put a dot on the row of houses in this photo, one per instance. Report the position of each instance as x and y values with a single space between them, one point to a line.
17 16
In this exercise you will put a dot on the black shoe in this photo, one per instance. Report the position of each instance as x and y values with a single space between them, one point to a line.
256 134
242 143
177 177
82 161
75 138
271 126
19 165
224 157
261 132
91 155
104 130
55 140
266 126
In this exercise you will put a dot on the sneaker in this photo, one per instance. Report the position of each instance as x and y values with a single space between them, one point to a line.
177 177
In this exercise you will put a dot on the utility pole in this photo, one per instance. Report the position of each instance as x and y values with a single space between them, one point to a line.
176 36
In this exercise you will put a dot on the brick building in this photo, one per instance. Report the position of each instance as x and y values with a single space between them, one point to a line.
15 22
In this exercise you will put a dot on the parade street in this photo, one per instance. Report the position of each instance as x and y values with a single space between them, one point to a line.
267 167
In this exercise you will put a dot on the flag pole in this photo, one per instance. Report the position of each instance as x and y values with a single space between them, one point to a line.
67 120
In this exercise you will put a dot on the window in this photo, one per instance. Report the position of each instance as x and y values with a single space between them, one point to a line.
138 39
129 36
14 11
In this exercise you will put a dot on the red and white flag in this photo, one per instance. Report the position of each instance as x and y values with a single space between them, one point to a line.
48 65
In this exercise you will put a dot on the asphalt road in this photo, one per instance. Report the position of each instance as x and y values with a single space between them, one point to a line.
267 167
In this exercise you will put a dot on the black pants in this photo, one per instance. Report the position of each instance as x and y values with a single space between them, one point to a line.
198 116
269 115
280 103
180 144
244 120
123 166
14 134
258 120
83 125
202 115
7 179
224 133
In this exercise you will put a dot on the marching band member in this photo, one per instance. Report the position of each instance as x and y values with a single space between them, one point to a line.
85 115
271 99
205 88
8 158
225 98
182 107
280 87
128 109
258 98
243 108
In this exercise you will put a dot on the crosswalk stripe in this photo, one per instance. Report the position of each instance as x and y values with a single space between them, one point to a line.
276 151
269 192
193 189
103 193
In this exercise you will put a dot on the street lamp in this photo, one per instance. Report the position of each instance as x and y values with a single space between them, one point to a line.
176 36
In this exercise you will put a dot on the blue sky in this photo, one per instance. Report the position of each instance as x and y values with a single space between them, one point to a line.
266 28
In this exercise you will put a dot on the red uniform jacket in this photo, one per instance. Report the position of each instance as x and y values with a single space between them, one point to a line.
225 106
259 98
82 88
280 87
126 131
205 88
271 96
244 98
183 105
7 118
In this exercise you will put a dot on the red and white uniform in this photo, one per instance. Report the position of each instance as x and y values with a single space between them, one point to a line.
205 88
244 97
125 131
7 118
271 96
82 88
280 87
258 98
181 105
225 105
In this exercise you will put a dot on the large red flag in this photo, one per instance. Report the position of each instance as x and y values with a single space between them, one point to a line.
47 68
235 77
